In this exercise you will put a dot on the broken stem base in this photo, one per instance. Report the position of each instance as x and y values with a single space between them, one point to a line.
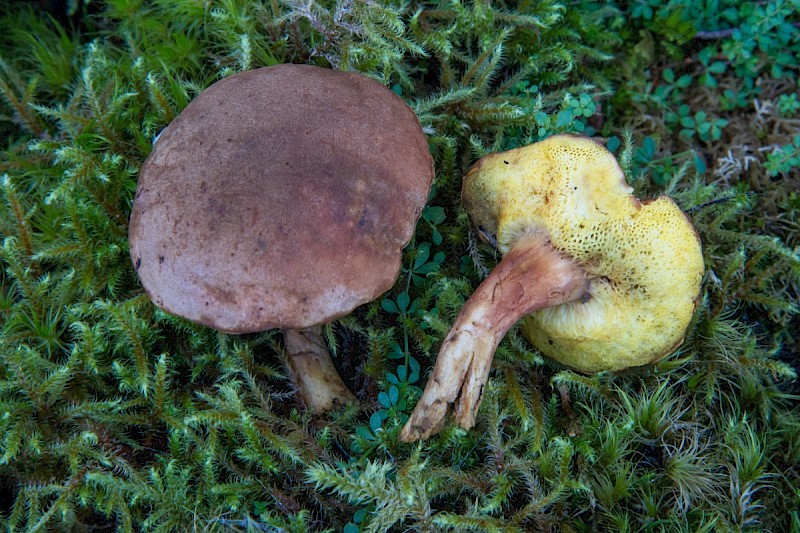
531 276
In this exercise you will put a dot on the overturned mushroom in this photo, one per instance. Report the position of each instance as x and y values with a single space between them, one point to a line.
605 281
281 198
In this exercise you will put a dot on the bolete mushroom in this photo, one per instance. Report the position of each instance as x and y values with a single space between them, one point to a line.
281 197
603 280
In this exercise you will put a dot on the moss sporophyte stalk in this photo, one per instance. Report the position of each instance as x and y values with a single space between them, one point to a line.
120 415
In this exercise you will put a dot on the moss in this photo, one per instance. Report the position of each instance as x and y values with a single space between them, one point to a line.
116 414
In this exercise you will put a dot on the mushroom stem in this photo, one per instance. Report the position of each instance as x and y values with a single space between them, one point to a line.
531 276
312 369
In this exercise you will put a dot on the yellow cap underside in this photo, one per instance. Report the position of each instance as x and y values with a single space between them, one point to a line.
643 260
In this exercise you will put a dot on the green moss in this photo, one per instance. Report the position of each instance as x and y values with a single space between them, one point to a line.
115 413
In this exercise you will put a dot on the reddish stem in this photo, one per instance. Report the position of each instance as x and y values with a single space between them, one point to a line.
531 276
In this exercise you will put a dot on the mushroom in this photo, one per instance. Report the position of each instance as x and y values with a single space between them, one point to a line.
602 280
281 197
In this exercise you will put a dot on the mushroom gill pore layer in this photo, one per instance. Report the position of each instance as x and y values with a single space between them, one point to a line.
642 260
602 280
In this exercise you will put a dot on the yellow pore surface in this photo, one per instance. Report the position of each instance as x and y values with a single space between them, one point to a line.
643 260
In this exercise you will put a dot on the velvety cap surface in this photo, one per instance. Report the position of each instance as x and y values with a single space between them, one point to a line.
280 197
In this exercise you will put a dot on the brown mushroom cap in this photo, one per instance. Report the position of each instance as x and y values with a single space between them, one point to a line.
280 197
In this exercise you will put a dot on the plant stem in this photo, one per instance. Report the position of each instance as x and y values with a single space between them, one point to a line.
531 276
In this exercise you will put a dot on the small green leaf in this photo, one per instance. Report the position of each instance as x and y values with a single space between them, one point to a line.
649 146
423 252
707 80
718 67
395 351
564 118
434 214
700 164
684 81
383 399
437 237
705 55
403 299
376 420
364 433
389 306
